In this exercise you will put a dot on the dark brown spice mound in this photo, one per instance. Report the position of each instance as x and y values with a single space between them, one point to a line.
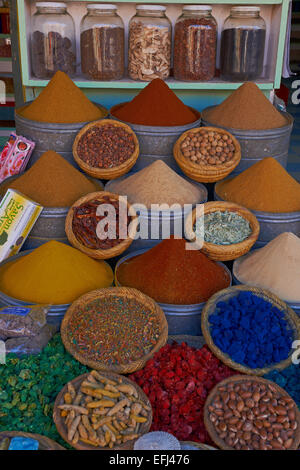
106 146
85 222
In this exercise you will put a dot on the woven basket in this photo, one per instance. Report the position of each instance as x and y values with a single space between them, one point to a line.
126 292
45 443
225 295
197 445
100 253
61 427
106 173
237 379
224 252
206 173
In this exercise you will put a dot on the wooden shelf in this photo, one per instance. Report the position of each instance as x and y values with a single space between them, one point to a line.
126 83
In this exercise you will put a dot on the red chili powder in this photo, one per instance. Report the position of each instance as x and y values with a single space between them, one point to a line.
156 105
173 275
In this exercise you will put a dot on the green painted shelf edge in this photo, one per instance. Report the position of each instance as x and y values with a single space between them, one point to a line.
173 84
4 36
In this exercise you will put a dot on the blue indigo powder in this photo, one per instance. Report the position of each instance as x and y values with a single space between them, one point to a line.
251 331
289 380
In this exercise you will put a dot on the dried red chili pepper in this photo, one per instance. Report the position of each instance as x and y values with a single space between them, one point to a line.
177 381
85 221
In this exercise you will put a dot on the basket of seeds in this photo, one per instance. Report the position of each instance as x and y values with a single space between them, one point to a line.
106 149
102 411
207 154
102 225
224 231
115 329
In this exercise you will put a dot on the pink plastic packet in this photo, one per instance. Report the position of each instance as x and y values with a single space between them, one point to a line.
17 158
8 147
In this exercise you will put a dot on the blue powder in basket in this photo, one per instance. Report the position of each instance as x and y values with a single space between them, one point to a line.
251 330
289 380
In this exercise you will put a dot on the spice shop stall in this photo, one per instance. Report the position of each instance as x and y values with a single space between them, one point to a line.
138 340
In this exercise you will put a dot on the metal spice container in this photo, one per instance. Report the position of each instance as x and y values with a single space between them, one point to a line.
149 51
195 43
102 43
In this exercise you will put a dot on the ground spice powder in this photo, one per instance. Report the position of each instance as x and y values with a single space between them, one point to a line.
173 275
275 267
265 186
246 108
156 105
53 182
61 102
157 184
54 273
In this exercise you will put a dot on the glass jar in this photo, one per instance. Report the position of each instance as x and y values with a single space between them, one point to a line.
195 43
149 50
102 43
53 45
243 44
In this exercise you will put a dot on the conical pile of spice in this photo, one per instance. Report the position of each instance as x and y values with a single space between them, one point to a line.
157 184
246 108
275 267
265 186
53 182
53 273
61 101
156 105
171 274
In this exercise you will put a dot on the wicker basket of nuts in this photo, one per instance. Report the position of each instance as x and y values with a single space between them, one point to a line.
251 413
106 149
102 411
207 154
82 227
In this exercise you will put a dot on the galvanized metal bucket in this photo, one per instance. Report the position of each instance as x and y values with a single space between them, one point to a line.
273 224
259 144
175 220
56 312
293 305
49 226
50 136
156 142
182 319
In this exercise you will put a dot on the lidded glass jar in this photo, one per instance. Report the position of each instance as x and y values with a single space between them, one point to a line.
243 44
195 44
53 45
149 49
102 43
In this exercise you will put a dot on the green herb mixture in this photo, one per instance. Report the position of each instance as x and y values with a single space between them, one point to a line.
29 386
222 228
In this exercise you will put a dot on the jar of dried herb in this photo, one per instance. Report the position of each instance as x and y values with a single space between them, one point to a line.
149 49
102 43
195 43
